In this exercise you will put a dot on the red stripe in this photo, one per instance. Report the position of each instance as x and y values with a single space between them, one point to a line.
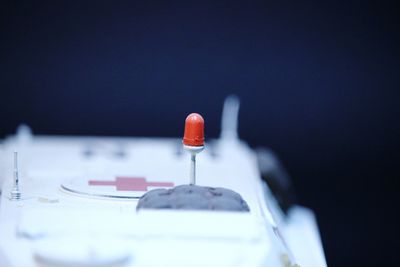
94 182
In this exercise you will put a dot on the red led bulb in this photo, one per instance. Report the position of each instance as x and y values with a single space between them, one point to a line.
194 130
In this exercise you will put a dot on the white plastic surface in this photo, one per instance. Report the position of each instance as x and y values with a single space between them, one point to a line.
47 212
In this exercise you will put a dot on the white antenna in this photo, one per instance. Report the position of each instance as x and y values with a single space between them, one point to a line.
15 193
230 118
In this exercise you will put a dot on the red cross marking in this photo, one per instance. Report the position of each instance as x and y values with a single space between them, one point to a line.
130 184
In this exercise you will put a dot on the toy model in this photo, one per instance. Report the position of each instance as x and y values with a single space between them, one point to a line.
108 201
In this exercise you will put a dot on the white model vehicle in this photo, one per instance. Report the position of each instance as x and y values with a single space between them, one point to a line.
71 201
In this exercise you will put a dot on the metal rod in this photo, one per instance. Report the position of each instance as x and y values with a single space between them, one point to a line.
193 169
15 193
15 169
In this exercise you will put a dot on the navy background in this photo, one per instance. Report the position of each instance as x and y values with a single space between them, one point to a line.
318 84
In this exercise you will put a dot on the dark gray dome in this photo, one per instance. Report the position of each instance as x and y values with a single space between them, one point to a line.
193 197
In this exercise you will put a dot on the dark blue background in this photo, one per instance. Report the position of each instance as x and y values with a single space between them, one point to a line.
318 82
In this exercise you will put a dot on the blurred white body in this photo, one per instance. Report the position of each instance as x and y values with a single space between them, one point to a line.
99 226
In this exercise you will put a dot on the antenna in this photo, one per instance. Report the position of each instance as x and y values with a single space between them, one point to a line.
230 118
15 193
193 141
